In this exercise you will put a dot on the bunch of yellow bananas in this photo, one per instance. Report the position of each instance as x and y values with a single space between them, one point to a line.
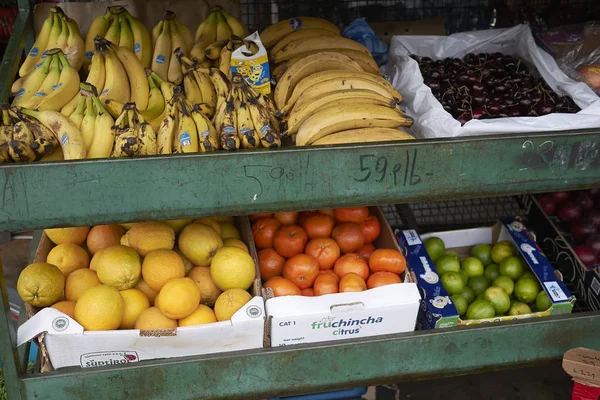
58 31
168 36
219 26
48 87
219 53
198 86
133 136
122 29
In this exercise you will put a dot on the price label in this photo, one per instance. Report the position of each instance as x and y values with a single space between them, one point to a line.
396 171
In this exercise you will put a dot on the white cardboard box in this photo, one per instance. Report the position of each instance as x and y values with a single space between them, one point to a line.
380 311
66 344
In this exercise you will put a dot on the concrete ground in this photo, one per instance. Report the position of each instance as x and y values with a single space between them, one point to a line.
545 382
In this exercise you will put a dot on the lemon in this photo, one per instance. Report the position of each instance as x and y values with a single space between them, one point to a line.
119 266
228 230
178 224
151 319
100 308
143 287
68 257
75 235
103 236
199 243
208 289
202 315
231 242
78 282
41 284
232 268
230 302
178 298
67 307
209 221
134 302
160 266
145 237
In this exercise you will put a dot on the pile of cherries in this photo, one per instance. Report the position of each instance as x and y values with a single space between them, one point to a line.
483 86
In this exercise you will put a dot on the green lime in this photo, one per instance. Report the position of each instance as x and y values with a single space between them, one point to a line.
472 267
526 290
483 252
505 283
542 301
491 272
528 274
518 308
512 267
447 263
480 296
464 276
501 250
452 282
480 309
479 284
435 247
468 294
460 303
499 299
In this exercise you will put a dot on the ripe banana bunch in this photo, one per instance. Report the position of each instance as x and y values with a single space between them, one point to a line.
168 35
219 26
338 100
133 136
58 31
220 52
49 87
119 27
197 85
276 32
244 118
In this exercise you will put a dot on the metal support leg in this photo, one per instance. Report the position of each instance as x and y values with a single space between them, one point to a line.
8 351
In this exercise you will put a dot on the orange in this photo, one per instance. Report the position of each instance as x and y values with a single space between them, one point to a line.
68 257
282 287
310 292
352 283
178 298
290 240
263 232
41 284
371 228
326 284
366 251
103 236
134 302
324 250
208 288
349 237
287 218
119 266
318 226
145 237
302 270
352 214
160 266
199 243
382 278
152 319
67 307
270 263
143 287
78 282
351 263
75 235
99 308
256 217
389 260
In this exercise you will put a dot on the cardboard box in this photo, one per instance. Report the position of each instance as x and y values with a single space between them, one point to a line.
584 366
65 343
437 309
380 311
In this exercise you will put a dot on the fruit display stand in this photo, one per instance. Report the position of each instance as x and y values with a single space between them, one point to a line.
35 196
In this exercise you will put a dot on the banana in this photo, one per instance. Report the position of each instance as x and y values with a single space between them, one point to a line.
55 32
278 71
35 54
87 124
75 47
188 36
56 155
214 50
356 97
345 117
191 89
99 27
126 141
126 33
319 77
79 114
162 52
32 82
204 109
114 31
156 30
207 134
45 143
187 133
104 137
166 132
96 78
309 45
221 84
6 134
19 148
310 64
66 88
225 60
227 126
198 51
47 87
274 33
236 27
248 135
207 30
366 61
301 35
178 45
207 88
146 137
116 84
364 135
156 102
61 41
336 84
261 120
142 43
136 74
69 136
167 88
223 30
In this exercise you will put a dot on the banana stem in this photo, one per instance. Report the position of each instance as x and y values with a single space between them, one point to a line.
99 108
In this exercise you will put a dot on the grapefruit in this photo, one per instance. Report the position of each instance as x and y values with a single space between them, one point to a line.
68 257
160 266
230 302
119 266
202 315
145 237
178 298
78 282
209 292
103 236
151 319
228 230
41 284
100 308
66 307
74 235
232 268
199 243
134 302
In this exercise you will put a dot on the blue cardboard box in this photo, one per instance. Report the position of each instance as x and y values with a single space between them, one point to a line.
437 309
